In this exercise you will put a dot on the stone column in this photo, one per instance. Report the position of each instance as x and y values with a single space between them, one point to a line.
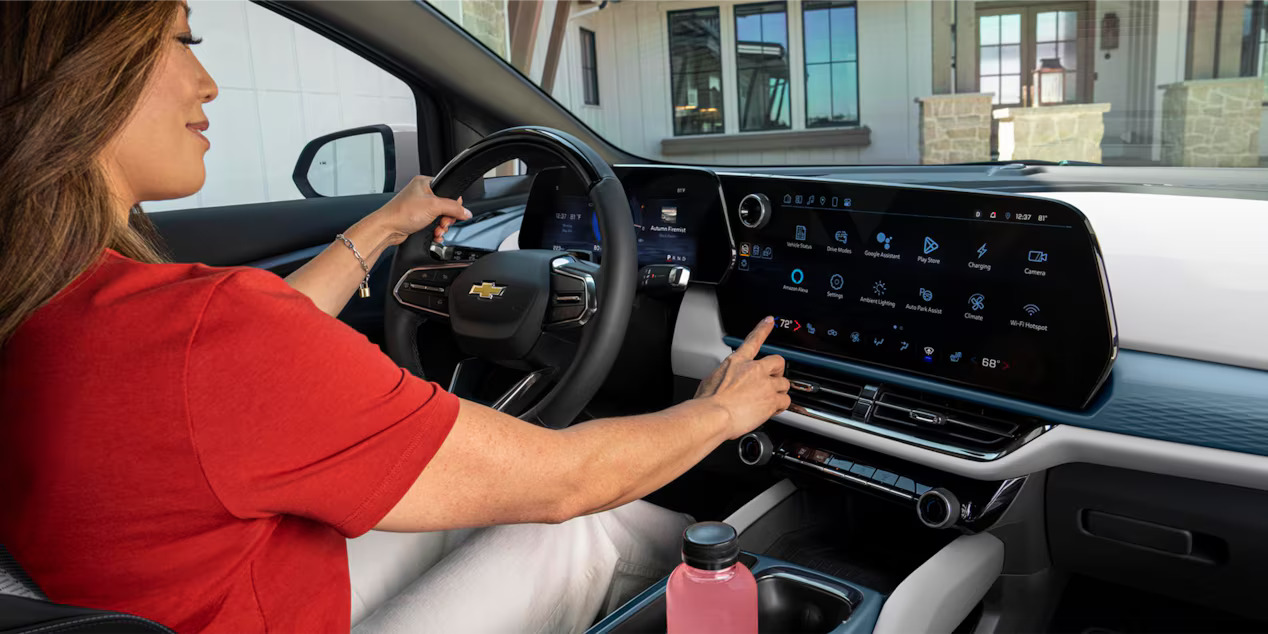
1052 133
1212 122
955 128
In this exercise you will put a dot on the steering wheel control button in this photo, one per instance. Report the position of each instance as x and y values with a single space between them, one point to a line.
938 508
754 211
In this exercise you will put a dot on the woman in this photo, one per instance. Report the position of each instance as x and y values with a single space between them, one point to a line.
195 444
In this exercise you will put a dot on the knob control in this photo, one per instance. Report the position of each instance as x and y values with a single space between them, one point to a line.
755 449
754 211
938 508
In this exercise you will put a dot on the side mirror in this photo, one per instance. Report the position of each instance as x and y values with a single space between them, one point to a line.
373 159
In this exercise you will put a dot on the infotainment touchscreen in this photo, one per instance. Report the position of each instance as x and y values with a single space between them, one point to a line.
999 292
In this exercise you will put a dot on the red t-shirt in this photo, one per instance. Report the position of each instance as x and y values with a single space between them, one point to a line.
194 444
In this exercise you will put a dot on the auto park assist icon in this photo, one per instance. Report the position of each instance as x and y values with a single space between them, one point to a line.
486 290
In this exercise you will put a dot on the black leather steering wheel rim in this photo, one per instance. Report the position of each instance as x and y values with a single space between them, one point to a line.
604 333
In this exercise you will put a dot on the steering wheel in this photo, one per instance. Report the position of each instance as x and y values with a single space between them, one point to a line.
504 306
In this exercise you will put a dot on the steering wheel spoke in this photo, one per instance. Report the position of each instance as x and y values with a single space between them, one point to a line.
425 289
574 295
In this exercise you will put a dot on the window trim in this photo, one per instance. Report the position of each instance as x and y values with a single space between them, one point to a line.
589 76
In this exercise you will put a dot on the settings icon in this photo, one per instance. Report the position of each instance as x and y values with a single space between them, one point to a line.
879 289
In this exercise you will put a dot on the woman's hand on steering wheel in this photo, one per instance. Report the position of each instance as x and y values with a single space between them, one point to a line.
415 207
750 390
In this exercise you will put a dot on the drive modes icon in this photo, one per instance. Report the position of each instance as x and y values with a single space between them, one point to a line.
842 237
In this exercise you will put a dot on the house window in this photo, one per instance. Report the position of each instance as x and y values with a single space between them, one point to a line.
695 70
589 68
761 64
1255 39
832 66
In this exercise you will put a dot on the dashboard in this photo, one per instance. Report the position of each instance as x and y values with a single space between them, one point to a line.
1002 293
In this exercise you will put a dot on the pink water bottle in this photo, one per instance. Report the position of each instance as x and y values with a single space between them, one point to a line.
711 591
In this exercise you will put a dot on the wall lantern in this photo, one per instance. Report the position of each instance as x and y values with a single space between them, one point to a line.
1109 32
1049 82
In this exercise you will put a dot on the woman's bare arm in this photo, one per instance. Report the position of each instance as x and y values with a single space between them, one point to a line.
332 277
495 469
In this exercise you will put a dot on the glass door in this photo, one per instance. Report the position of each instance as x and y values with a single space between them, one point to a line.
1014 42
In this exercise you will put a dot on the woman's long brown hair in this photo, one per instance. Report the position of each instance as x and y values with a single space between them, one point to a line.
70 75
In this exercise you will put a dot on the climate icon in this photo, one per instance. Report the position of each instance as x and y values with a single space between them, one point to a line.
1030 309
884 239
977 301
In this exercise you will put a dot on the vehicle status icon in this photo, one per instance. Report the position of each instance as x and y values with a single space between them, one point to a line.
976 302
836 281
801 232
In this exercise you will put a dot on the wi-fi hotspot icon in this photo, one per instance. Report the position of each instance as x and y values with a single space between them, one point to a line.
1030 309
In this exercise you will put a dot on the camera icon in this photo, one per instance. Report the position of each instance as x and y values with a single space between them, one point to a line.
1038 256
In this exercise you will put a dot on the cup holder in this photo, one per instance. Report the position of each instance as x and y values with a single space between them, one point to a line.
788 600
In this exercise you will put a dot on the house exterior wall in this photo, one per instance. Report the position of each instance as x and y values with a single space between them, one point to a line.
635 111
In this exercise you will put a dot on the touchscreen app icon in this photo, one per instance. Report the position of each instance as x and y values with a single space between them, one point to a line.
801 232
879 288
981 251
930 245
926 294
884 239
842 237
797 276
977 301
837 282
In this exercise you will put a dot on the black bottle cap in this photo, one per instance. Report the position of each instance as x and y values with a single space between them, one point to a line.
710 546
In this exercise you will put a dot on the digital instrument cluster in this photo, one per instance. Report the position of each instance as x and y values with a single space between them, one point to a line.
672 209
1005 293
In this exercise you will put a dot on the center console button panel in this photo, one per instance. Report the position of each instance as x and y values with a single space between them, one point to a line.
938 499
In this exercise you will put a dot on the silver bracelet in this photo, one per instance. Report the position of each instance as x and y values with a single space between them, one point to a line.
364 289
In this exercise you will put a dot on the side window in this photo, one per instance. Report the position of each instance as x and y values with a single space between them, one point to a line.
281 85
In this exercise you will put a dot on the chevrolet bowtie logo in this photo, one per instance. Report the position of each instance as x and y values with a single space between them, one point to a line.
486 290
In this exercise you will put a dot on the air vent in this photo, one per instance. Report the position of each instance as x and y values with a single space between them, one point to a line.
819 391
952 422
947 425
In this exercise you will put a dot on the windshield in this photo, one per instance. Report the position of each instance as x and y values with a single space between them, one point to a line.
1123 82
